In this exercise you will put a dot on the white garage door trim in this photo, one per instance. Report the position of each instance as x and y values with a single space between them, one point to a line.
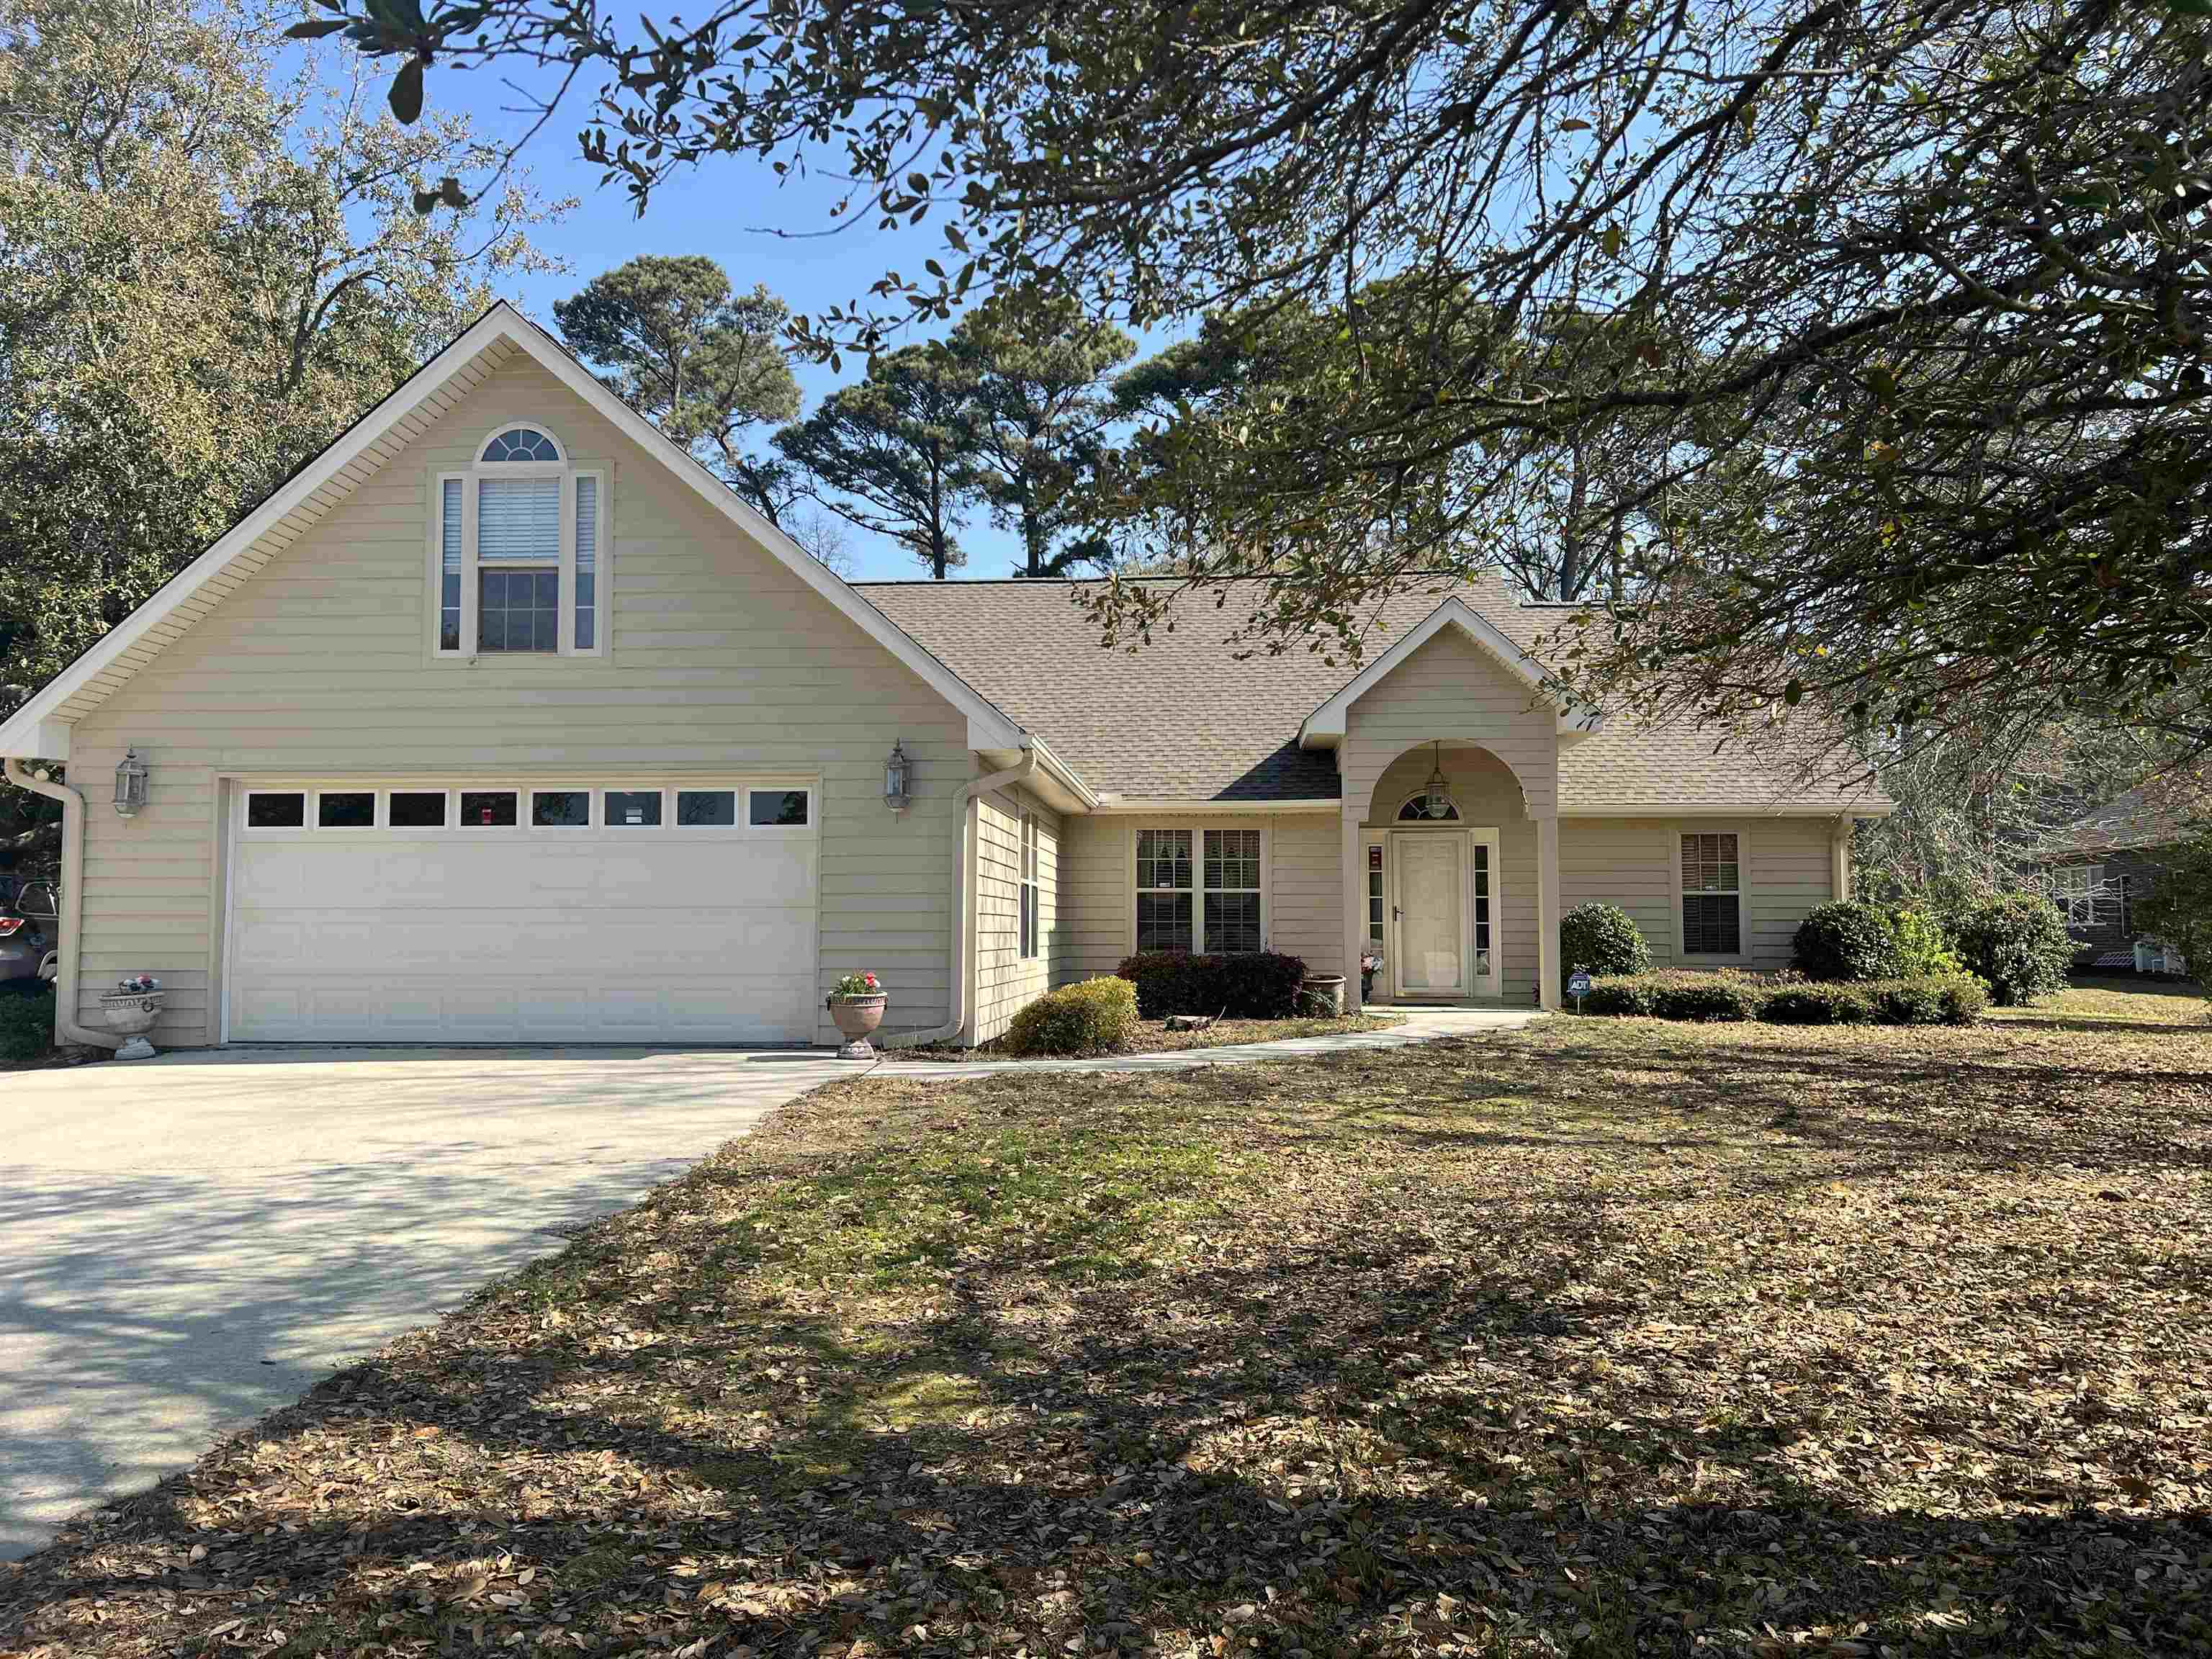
787 855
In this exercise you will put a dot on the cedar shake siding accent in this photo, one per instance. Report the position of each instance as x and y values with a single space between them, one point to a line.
720 661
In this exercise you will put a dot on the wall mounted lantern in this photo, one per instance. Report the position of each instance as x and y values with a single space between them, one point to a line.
131 776
897 769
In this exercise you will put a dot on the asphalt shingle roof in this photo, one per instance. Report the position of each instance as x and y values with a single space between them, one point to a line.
1184 717
2171 808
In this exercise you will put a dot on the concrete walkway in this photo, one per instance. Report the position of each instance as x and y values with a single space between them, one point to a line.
189 1242
1419 1024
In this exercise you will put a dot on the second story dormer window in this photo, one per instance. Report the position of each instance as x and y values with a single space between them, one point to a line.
517 543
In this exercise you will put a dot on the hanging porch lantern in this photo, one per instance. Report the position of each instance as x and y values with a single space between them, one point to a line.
1439 788
131 776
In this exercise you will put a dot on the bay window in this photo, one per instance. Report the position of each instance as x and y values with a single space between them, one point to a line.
519 543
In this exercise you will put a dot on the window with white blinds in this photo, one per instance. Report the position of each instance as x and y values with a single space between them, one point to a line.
519 552
519 521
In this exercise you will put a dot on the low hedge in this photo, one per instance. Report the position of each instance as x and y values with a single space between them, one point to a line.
26 1023
1092 1017
1249 985
1927 999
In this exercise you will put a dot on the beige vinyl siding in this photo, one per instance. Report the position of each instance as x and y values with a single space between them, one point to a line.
1305 891
1451 690
1635 863
1095 908
1301 907
721 662
1003 981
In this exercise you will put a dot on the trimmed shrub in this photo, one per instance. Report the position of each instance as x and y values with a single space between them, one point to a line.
26 1025
1709 996
1818 1004
2018 945
1930 999
1846 941
1923 946
1094 1017
1601 937
1630 995
1248 985
1683 994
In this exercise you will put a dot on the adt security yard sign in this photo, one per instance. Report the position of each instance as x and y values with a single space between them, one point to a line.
1578 986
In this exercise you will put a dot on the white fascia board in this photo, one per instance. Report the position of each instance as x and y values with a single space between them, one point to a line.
1744 809
1324 727
19 735
1123 805
1063 774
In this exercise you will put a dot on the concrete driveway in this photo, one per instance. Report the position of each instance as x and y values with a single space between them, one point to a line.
187 1242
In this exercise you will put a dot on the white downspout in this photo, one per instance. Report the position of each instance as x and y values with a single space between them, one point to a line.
963 890
66 1029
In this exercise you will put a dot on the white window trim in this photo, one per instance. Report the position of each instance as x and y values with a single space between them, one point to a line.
1454 821
1198 875
1029 886
1370 840
2068 893
1197 827
1745 951
569 472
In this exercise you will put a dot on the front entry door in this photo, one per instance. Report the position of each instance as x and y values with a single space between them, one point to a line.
1431 913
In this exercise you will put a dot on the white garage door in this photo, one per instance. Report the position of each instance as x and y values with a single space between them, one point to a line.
509 912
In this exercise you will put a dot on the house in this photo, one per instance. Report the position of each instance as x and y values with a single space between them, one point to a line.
2103 864
504 721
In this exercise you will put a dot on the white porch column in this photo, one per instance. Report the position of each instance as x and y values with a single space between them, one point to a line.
1839 862
1355 907
1547 909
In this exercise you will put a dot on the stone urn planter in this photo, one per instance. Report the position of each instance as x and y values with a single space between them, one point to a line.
130 1015
857 1006
1324 994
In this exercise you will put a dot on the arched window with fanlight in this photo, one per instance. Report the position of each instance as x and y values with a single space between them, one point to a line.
519 545
1426 808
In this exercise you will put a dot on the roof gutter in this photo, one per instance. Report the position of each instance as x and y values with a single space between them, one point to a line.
963 888
66 1029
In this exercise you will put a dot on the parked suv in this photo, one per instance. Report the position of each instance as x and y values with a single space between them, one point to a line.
30 934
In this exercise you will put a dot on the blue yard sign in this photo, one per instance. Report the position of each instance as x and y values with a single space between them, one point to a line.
1578 986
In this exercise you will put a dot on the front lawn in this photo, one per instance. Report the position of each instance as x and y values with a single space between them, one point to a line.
1604 1337
2106 1001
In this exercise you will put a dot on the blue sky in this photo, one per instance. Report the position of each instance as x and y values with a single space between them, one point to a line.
730 209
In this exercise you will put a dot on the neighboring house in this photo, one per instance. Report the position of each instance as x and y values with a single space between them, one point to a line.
505 721
2103 865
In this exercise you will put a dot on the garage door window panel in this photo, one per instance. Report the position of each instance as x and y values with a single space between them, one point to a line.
560 809
487 809
416 809
778 809
706 809
345 809
275 809
631 809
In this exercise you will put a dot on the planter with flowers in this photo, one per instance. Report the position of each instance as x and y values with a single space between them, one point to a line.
857 1006
131 1010
1370 965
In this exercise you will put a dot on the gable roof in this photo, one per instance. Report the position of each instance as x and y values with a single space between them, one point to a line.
1185 717
41 726
1324 727
2170 808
